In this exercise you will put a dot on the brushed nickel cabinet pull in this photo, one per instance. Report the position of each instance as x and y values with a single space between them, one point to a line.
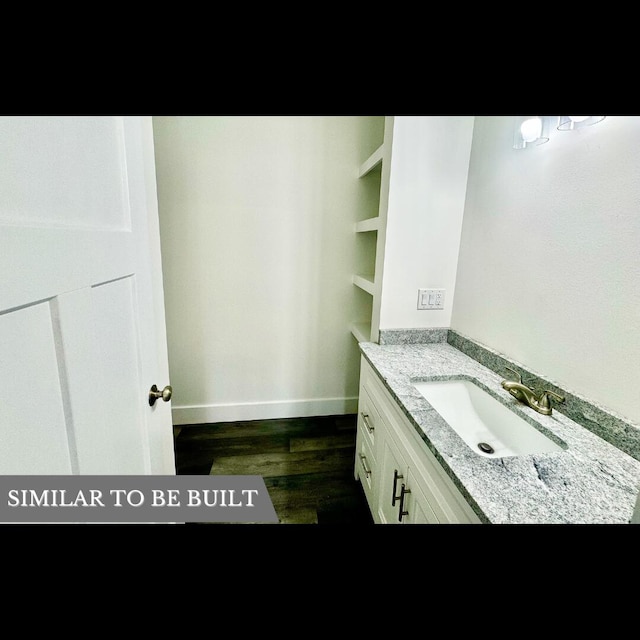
364 466
365 417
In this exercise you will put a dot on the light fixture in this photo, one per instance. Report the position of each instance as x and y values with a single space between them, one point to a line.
568 123
530 131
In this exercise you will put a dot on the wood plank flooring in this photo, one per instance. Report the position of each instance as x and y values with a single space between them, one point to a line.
306 463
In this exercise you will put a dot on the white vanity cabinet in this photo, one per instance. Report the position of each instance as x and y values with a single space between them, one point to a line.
402 480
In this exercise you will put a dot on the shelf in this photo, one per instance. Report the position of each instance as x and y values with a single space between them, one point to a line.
371 224
371 162
361 331
365 282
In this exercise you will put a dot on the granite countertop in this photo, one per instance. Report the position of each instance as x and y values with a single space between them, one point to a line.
589 482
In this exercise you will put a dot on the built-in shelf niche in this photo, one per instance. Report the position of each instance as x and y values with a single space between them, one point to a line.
369 229
365 259
369 177
361 325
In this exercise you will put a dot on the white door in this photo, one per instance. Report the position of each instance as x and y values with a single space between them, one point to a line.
82 335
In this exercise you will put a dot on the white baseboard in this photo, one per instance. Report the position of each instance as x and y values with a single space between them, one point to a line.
204 414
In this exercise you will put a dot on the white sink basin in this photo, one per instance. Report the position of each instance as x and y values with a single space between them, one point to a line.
483 422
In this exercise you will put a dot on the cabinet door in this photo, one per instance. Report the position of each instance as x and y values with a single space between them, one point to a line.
393 474
416 504
401 501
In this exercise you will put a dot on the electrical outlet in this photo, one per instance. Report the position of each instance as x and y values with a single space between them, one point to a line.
431 298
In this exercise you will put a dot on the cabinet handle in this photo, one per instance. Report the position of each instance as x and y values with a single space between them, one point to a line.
401 511
394 497
365 417
364 466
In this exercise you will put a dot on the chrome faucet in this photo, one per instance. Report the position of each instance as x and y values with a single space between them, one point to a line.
540 402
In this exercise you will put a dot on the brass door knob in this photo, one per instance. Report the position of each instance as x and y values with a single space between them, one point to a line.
155 394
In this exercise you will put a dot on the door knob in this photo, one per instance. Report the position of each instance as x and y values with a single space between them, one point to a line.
155 394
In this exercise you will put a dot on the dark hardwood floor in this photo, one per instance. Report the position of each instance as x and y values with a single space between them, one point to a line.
306 463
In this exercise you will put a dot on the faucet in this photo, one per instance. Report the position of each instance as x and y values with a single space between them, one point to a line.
540 402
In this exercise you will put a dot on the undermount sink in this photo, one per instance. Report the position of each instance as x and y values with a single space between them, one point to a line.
483 422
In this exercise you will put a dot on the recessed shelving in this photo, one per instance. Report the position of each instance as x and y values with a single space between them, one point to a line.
371 230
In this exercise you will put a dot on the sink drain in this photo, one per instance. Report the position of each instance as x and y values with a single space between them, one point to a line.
487 448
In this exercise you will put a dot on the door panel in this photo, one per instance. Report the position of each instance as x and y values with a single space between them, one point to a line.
98 325
33 436
68 171
119 385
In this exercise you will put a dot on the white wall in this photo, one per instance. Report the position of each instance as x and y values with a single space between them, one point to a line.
549 267
258 247
429 164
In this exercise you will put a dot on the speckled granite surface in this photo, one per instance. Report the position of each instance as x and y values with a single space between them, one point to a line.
589 482
413 336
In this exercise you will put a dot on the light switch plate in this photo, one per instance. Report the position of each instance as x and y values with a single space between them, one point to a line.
431 298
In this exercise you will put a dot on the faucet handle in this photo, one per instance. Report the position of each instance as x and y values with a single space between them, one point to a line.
514 371
544 401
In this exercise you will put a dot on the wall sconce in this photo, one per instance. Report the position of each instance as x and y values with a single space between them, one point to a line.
568 123
530 131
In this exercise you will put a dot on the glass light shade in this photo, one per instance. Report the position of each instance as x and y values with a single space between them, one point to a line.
530 131
569 123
